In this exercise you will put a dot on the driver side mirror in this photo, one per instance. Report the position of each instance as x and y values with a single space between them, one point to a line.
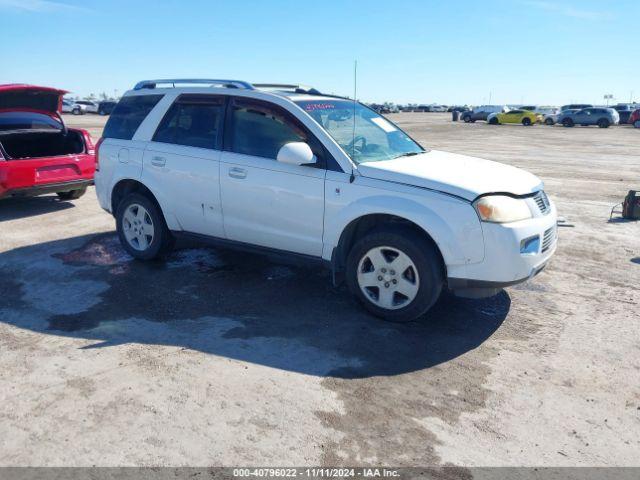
296 153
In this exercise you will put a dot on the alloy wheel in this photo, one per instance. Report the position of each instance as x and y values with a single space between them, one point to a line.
138 227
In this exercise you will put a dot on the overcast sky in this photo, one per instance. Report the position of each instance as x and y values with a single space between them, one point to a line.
455 51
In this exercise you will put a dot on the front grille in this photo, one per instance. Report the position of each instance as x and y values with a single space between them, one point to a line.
542 201
548 239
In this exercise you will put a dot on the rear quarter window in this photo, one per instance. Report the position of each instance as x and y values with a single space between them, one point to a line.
128 114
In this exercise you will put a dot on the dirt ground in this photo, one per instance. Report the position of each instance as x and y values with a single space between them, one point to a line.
219 358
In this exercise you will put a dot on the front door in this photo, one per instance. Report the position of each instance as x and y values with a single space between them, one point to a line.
266 202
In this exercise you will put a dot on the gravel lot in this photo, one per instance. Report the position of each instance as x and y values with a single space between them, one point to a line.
219 358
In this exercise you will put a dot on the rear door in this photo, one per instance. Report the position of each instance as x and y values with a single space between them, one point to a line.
583 116
184 159
266 202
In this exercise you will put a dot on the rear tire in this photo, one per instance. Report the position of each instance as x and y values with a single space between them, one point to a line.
603 123
636 124
72 194
396 273
567 122
466 119
76 111
549 122
526 121
141 228
494 121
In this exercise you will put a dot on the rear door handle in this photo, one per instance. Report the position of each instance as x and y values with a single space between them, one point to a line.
158 161
236 172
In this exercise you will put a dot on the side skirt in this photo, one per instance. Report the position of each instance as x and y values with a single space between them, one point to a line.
279 256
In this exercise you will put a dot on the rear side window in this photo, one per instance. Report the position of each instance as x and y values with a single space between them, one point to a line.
194 121
128 115
261 129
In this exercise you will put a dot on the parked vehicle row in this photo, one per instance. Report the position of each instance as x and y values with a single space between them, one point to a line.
568 115
80 107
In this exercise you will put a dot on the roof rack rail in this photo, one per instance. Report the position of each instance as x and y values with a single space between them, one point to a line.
288 87
196 81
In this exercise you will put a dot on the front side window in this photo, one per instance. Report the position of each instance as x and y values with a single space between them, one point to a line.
260 129
193 121
363 134
128 114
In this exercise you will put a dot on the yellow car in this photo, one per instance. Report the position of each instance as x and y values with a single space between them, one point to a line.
525 117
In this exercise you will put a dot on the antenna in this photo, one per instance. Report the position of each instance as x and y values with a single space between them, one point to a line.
353 138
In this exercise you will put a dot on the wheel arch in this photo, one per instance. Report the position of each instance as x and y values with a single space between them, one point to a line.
126 186
451 225
360 226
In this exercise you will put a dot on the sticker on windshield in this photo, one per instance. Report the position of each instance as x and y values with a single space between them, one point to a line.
383 124
318 106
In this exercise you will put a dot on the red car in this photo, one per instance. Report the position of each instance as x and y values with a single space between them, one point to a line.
38 153
634 119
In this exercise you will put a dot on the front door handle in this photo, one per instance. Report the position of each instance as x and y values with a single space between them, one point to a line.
158 161
236 172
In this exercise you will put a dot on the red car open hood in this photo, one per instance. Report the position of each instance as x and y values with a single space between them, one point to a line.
22 97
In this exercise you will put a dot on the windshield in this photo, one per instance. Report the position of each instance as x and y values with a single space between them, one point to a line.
363 134
28 121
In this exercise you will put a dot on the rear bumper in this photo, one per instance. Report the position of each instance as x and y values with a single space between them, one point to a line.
46 189
38 176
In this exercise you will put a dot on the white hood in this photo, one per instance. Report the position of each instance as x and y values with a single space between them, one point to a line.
452 173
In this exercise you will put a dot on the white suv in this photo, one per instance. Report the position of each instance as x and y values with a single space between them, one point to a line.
286 169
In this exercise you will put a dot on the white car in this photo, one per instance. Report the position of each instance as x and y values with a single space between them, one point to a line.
282 169
549 114
85 106
67 106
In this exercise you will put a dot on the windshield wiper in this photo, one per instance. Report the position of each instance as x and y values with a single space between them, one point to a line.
407 154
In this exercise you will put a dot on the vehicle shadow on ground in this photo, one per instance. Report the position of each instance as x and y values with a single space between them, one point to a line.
16 208
229 304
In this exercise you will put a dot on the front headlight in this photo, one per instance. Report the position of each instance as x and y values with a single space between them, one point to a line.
502 209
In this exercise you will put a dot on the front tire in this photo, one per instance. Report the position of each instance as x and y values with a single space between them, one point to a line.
141 228
76 111
494 121
636 124
526 121
567 122
395 273
72 195
603 123
466 119
549 122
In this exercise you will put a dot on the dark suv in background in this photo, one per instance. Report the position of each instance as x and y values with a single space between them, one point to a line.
575 106
106 107
600 116
624 110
